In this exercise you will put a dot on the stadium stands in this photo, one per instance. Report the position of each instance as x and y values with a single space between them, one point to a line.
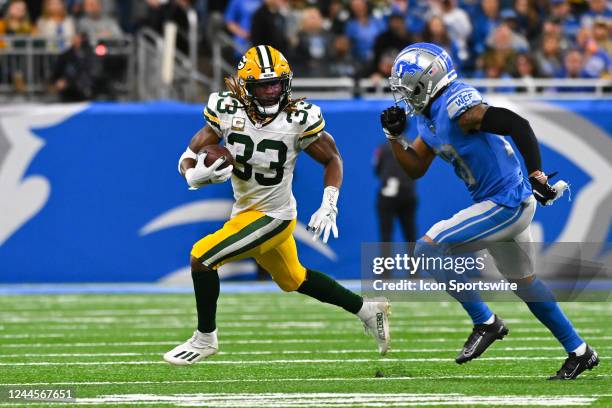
354 39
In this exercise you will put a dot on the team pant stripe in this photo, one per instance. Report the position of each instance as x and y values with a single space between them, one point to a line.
280 226
232 239
474 221
470 214
501 219
464 217
499 227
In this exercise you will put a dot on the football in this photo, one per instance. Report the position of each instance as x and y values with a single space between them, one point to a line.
214 152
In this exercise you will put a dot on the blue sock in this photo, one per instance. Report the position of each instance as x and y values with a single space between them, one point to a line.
541 301
470 299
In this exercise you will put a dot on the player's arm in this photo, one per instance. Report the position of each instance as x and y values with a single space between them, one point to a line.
325 151
502 121
204 137
191 164
416 157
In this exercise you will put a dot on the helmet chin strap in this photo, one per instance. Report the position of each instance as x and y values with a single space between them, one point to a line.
267 110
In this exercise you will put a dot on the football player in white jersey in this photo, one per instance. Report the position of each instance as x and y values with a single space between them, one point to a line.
265 130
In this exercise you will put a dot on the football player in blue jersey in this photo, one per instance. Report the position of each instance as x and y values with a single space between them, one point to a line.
454 123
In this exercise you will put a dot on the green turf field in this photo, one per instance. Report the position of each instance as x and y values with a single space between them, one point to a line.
280 350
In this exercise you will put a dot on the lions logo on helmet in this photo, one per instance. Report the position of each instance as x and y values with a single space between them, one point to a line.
419 72
405 67
264 65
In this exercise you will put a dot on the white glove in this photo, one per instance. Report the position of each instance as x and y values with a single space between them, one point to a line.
200 174
324 219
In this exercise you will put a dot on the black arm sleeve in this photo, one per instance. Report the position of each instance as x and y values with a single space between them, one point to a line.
502 121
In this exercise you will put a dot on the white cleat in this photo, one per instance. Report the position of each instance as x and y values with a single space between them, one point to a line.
375 317
198 347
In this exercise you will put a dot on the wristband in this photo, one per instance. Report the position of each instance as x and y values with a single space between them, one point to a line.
541 177
187 154
330 196
401 139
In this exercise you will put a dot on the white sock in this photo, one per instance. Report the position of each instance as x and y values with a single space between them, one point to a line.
580 350
490 320
206 339
364 312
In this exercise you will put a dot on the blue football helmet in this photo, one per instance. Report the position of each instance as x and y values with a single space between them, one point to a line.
419 72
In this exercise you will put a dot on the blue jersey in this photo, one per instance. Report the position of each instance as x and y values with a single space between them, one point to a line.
485 162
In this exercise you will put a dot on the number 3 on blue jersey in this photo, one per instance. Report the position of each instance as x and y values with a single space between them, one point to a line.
449 154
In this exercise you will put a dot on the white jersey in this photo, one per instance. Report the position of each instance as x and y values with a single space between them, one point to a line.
265 155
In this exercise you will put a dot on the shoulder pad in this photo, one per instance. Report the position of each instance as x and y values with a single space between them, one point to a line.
308 122
462 97
310 119
220 105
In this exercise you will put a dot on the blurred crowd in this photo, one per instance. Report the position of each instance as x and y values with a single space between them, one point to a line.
354 38
84 33
99 19
486 38
58 20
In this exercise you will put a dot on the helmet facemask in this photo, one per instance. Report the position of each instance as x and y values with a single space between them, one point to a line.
419 74
413 98
269 106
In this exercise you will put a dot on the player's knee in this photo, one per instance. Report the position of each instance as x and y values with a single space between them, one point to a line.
288 286
427 248
292 282
198 266
523 281
431 252
531 289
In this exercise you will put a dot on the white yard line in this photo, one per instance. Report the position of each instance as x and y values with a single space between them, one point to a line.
290 352
236 302
304 379
267 316
336 399
55 323
517 339
29 335
267 332
282 361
